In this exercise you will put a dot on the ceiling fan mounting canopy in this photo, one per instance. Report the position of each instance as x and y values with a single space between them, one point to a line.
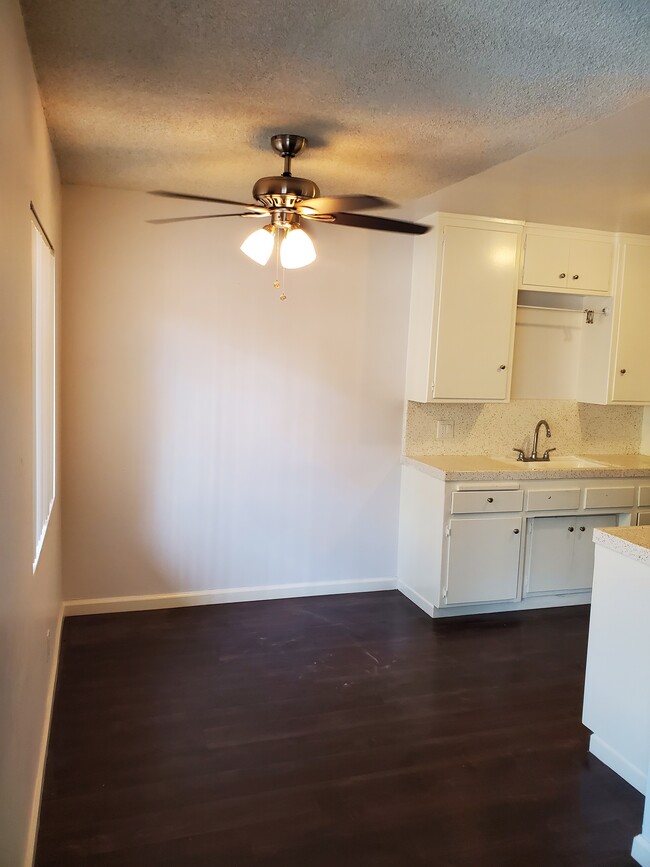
288 144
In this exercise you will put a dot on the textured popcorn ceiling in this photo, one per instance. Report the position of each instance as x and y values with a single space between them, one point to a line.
398 98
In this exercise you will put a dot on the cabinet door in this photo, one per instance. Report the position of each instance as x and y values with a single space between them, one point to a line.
590 266
632 355
476 314
560 553
582 570
549 554
483 560
546 261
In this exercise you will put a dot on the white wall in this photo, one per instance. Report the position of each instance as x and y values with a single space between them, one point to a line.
29 603
216 437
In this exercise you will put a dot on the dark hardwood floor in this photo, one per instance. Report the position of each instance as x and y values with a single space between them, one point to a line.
341 731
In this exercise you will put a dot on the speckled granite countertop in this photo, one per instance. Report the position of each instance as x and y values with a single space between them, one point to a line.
475 468
633 542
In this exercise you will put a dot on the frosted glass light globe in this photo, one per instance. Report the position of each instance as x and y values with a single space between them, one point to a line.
259 245
297 249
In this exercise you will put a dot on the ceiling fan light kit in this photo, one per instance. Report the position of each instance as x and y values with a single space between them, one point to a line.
286 200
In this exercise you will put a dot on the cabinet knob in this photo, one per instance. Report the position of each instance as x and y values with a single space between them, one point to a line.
582 529
490 499
571 529
502 367
576 276
623 371
515 532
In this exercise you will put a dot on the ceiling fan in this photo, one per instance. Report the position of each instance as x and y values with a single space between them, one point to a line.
286 200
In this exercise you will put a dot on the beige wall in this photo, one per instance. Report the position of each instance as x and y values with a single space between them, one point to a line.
215 437
29 603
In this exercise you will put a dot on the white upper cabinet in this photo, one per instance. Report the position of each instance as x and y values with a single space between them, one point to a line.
615 351
590 266
463 304
563 260
631 367
546 261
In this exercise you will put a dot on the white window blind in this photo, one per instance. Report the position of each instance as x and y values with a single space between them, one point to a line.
44 382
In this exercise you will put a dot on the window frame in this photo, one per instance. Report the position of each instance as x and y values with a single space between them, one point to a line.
44 369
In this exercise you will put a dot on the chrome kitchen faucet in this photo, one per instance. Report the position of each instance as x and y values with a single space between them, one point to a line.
533 455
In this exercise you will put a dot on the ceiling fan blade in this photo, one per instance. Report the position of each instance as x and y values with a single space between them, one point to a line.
202 217
365 221
319 218
191 198
329 204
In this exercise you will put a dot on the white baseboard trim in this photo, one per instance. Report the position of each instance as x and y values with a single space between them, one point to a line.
618 763
641 850
415 598
215 597
30 849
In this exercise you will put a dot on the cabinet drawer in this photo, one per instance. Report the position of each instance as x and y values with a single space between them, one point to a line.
617 498
644 496
540 501
643 519
467 502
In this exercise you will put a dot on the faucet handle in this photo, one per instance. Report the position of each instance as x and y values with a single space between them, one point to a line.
546 454
520 453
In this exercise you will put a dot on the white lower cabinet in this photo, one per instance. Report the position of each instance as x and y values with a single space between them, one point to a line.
473 546
560 553
483 560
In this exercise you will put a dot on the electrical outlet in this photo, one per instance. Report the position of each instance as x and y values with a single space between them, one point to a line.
445 430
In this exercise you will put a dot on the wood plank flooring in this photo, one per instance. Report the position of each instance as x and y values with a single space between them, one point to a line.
340 731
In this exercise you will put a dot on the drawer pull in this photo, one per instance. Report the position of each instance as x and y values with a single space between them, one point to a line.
571 529
515 532
582 529
490 499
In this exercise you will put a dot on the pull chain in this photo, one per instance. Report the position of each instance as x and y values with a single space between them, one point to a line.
276 282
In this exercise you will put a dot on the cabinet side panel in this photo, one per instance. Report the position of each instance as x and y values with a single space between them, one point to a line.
617 686
422 315
420 537
595 349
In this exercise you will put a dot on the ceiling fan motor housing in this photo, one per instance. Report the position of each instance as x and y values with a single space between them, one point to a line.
284 192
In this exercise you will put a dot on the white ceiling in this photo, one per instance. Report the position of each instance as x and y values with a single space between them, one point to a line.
398 98
597 177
